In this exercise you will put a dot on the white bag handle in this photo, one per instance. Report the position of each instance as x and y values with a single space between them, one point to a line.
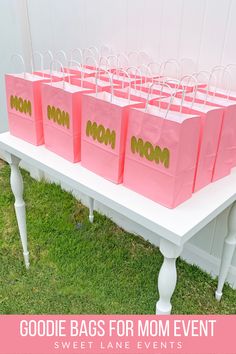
95 49
49 53
93 60
167 110
109 57
124 56
104 50
224 70
175 81
19 56
63 53
41 61
127 75
214 70
159 67
101 59
188 77
163 85
79 66
137 70
110 80
62 68
87 52
170 61
76 50
148 70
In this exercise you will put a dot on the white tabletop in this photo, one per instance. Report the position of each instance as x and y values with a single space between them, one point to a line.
176 225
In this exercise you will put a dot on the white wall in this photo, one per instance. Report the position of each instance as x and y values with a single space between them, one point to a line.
204 30
14 38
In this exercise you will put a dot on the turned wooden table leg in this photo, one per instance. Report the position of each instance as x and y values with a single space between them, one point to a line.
167 276
17 189
228 252
91 207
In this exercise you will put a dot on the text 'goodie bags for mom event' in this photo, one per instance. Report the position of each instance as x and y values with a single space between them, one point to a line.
161 153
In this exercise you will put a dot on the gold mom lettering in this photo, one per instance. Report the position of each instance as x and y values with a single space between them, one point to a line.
150 152
58 116
21 105
101 134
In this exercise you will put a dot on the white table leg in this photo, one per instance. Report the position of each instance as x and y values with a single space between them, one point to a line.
91 207
167 276
17 189
228 251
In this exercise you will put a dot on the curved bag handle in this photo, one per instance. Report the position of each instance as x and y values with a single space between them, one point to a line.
170 61
78 65
62 69
155 63
40 55
76 50
110 80
127 75
224 70
189 77
19 56
63 53
137 70
163 85
124 56
168 108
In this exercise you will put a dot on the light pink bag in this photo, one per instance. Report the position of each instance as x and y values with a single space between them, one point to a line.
225 97
103 137
226 152
61 104
23 94
161 153
211 122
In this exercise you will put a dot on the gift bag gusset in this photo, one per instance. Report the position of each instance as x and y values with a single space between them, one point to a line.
23 95
61 104
210 130
226 152
103 137
161 153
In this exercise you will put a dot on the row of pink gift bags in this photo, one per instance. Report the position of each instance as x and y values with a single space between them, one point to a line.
226 152
210 130
104 129
61 105
161 153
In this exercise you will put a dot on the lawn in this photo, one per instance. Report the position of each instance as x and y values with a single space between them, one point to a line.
96 269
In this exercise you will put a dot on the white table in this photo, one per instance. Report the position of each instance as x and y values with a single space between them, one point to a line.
174 226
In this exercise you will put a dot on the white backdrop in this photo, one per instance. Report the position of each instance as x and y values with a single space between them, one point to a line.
204 30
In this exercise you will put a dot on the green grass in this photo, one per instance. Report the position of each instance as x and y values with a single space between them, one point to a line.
98 269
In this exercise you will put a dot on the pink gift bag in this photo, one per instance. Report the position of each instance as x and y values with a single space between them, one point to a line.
161 154
61 104
210 130
23 94
103 136
226 152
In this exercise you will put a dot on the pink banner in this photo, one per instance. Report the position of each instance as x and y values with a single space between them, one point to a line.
117 334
